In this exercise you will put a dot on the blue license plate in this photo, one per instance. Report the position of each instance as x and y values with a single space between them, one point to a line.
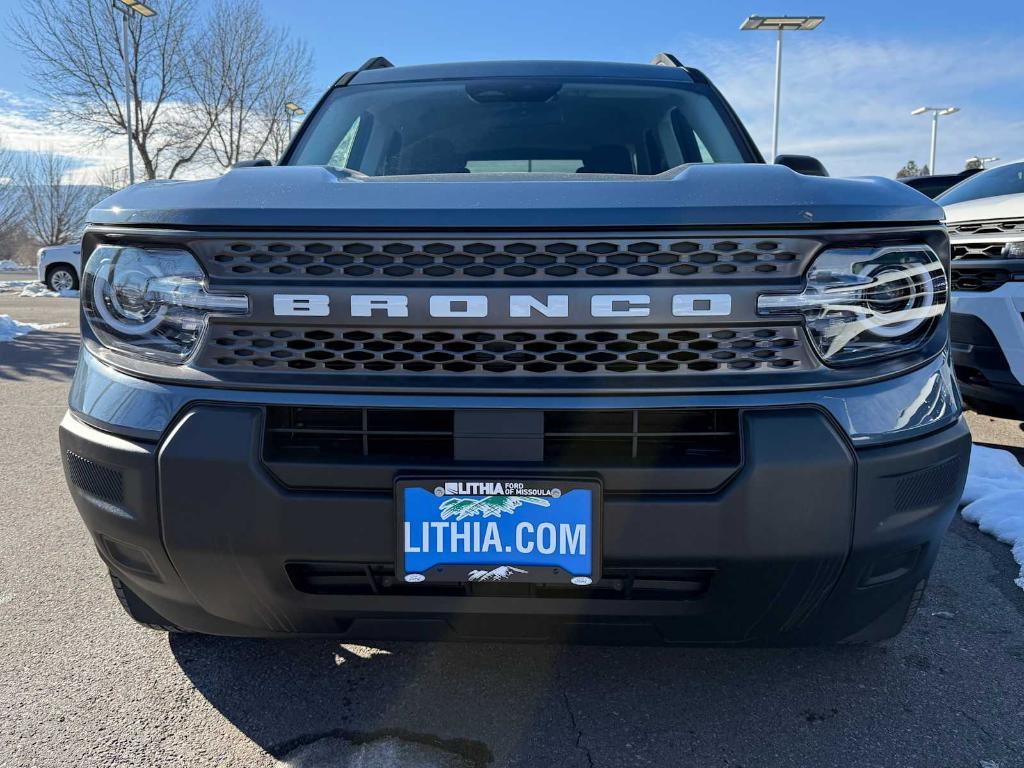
497 530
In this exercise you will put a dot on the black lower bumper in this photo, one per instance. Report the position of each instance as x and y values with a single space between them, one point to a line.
982 370
804 540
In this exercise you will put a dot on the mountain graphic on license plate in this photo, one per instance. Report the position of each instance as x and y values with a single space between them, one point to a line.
501 530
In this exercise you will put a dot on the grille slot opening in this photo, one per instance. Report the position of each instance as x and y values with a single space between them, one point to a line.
381 434
618 583
646 437
426 437
968 279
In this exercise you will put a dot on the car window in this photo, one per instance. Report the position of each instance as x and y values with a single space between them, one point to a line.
1004 180
520 125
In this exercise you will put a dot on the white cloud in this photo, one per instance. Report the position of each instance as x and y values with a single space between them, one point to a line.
848 101
24 127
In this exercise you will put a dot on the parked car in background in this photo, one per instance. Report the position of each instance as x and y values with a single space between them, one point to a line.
936 184
985 216
59 266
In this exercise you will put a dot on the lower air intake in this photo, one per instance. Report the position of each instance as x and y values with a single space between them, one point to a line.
583 438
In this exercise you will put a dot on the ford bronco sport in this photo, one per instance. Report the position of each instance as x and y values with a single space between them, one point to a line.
524 350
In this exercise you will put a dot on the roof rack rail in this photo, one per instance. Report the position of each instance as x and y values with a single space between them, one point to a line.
667 60
377 62
664 59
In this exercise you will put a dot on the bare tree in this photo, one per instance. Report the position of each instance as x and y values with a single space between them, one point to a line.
10 197
110 180
54 207
242 71
75 55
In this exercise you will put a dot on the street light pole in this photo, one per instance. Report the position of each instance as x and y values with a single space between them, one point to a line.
128 100
935 136
778 95
936 113
294 110
126 9
780 24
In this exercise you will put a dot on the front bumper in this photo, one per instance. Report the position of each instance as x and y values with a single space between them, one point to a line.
987 345
810 537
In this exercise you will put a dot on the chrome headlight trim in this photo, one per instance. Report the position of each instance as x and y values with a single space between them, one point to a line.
861 305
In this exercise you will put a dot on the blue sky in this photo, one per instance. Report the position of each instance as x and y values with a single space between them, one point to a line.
848 86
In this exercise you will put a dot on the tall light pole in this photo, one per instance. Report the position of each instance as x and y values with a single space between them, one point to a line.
294 110
936 112
780 24
126 9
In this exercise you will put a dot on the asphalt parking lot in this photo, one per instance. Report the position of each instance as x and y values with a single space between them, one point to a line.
81 685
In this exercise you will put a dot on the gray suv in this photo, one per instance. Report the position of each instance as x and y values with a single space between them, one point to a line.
519 350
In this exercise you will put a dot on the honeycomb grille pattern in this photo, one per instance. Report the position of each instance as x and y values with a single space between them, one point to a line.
541 259
575 351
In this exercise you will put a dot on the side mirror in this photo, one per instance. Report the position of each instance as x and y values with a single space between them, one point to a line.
261 163
805 164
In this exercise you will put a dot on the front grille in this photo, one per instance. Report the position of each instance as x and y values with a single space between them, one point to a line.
540 351
582 438
519 258
979 280
1012 226
978 250
618 583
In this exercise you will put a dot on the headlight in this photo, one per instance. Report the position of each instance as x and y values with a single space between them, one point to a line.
150 303
1014 250
863 304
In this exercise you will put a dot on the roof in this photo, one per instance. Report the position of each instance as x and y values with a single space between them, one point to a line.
471 69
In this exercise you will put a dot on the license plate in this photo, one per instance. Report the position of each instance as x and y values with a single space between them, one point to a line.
498 530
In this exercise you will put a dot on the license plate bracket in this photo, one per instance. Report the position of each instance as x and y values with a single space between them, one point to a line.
505 530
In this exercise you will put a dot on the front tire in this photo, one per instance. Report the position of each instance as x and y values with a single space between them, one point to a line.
60 277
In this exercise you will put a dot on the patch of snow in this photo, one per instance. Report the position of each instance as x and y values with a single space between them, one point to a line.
10 329
15 286
33 289
38 290
6 265
994 498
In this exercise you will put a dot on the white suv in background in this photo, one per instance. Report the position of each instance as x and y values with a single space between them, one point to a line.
60 266
985 216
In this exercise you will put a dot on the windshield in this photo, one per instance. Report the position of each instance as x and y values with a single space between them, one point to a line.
1005 180
520 125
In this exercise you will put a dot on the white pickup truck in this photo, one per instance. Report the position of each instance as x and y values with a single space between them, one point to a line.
60 266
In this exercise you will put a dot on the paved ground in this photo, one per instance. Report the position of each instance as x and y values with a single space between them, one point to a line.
81 685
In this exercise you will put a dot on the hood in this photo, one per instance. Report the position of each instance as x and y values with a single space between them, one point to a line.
1001 207
700 195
